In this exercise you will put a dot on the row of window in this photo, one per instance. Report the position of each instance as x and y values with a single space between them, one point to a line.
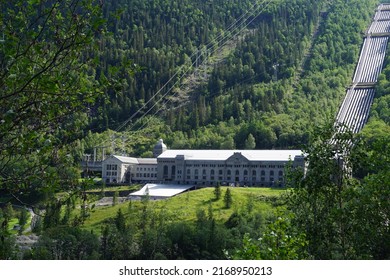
112 167
235 165
237 172
111 173
146 168
229 178
145 175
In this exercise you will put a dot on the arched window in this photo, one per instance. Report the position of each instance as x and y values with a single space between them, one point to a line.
237 172
280 173
212 172
204 172
245 172
196 172
165 170
253 172
173 170
229 172
271 173
262 173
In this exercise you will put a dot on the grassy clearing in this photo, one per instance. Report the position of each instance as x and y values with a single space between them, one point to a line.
184 207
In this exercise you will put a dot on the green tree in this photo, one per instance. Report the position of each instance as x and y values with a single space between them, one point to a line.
115 198
7 241
23 219
331 207
120 221
8 212
66 243
250 142
279 241
228 198
45 87
217 191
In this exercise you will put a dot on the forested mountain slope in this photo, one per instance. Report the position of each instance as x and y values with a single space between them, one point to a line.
288 72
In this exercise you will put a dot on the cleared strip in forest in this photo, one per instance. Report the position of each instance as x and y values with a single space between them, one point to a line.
355 109
233 33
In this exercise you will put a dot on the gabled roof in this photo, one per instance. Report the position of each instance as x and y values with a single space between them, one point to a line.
147 160
123 159
133 160
237 156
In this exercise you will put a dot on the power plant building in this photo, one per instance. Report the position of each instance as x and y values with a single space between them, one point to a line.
204 167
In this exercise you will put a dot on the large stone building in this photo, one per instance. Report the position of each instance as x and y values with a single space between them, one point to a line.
239 167
203 167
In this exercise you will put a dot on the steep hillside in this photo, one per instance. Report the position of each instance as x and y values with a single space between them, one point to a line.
285 72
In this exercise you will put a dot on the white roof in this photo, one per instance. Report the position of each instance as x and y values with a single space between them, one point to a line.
124 159
161 190
147 160
253 155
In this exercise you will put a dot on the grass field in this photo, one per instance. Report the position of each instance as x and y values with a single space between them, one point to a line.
184 207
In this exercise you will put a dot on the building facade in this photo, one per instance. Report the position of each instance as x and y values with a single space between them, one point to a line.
238 167
204 167
126 170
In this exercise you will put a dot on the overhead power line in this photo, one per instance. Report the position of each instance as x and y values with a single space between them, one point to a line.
217 44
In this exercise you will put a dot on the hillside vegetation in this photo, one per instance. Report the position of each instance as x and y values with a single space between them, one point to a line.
76 75
275 85
184 207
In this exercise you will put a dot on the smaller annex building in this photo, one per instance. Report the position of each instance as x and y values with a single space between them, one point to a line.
121 169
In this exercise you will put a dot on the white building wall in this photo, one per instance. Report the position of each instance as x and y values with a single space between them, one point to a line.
112 171
144 173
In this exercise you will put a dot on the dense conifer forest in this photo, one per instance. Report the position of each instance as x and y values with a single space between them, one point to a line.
200 74
282 75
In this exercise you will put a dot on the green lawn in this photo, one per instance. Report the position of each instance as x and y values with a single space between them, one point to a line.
184 207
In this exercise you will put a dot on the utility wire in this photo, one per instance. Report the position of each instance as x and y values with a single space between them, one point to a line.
232 31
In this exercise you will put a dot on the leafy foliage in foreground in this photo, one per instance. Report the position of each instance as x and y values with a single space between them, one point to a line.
45 87
330 213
